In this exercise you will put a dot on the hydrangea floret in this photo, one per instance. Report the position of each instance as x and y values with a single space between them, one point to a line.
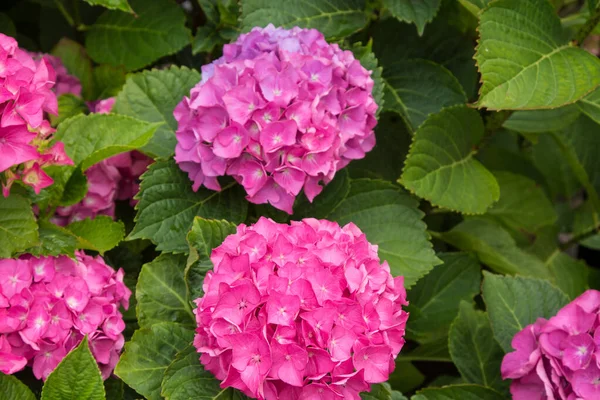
558 358
25 97
300 311
47 306
281 111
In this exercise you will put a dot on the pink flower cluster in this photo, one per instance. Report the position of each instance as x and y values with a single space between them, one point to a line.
48 304
116 178
281 111
300 311
25 95
64 82
558 358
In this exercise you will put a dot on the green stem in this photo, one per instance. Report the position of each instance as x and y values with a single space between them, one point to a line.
587 28
65 13
580 237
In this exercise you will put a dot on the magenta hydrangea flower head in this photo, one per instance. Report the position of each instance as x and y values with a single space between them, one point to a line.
300 311
113 179
64 82
47 306
558 358
25 97
281 111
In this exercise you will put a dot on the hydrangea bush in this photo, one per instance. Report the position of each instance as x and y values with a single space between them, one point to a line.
303 200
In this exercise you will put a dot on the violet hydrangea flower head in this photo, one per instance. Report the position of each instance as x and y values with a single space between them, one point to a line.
558 358
290 311
25 97
47 306
281 111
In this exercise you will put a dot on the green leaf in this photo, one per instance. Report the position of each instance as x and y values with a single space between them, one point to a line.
77 377
560 179
379 391
526 61
152 96
54 241
161 293
523 206
136 41
18 229
99 234
108 81
440 166
194 277
12 388
90 139
433 351
69 106
570 275
206 234
390 218
419 12
515 302
75 59
69 187
474 350
590 105
540 121
495 248
206 39
185 378
435 298
168 206
7 27
474 6
331 196
334 18
148 354
406 377
458 392
367 59
586 220
416 88
122 5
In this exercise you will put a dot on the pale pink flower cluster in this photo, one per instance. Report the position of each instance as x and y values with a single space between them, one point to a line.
48 304
116 178
25 96
558 358
300 311
281 111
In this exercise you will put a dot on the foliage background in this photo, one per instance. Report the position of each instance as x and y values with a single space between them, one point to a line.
482 190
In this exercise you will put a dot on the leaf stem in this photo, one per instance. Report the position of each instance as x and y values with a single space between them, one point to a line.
587 28
65 13
580 237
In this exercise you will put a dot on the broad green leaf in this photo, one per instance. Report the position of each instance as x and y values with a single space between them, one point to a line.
527 62
77 62
206 39
90 139
122 5
442 43
99 234
334 18
390 218
458 392
77 377
560 178
7 27
495 248
206 234
185 378
440 166
474 6
152 96
419 12
396 395
386 160
590 105
514 302
168 206
69 106
108 81
136 41
194 277
523 206
18 229
474 350
416 88
161 293
540 121
12 388
367 59
592 5
406 377
433 351
148 355
435 298
570 274
332 195
69 187
53 241
586 220
379 391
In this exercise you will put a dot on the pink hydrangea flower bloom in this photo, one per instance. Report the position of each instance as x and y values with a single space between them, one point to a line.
281 112
558 358
64 82
26 97
300 311
48 304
